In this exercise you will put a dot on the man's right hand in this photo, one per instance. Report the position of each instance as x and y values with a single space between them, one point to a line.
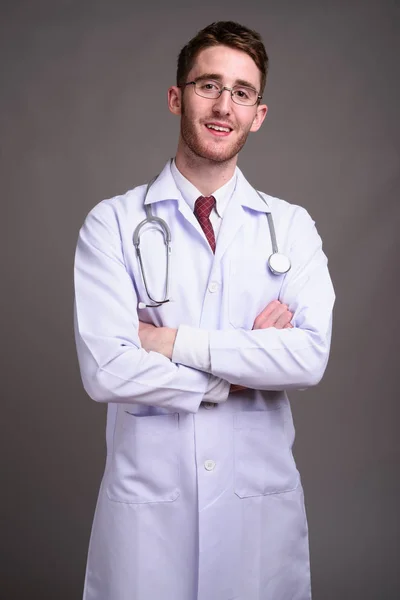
275 314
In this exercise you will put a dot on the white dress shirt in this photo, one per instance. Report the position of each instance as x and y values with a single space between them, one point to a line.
192 345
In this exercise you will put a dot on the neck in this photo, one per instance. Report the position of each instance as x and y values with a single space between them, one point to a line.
206 175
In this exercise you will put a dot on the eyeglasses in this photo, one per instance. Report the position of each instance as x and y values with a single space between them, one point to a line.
240 94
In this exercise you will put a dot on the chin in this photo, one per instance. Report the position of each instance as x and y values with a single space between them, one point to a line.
220 158
213 154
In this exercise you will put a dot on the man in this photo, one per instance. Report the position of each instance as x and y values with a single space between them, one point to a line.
201 498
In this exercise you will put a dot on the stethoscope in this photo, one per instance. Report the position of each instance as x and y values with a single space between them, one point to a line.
278 263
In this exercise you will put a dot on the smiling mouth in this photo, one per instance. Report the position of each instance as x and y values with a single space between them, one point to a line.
218 128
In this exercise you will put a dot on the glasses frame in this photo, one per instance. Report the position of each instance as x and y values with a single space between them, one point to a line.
223 88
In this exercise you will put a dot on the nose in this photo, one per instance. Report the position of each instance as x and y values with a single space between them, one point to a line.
223 104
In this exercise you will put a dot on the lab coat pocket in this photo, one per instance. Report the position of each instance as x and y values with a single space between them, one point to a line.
264 462
145 462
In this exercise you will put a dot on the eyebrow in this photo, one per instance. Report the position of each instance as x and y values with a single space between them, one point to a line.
217 77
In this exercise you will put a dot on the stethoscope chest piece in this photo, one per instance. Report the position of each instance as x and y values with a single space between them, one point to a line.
279 263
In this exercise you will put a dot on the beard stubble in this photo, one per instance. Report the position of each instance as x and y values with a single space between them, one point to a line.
209 151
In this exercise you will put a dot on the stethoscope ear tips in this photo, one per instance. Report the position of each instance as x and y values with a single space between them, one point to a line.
141 305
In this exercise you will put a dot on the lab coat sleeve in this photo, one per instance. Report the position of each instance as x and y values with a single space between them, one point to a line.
275 359
196 351
114 367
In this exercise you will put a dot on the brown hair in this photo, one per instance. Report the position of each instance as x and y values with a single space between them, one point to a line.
227 33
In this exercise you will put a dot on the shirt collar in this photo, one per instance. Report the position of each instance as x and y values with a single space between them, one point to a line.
190 193
163 187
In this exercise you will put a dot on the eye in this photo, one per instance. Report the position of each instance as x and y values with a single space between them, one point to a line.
243 93
208 86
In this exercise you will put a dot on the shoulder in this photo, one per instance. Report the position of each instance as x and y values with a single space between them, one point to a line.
105 222
110 214
282 211
293 224
111 209
286 211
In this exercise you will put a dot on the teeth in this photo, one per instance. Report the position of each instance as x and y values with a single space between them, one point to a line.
217 128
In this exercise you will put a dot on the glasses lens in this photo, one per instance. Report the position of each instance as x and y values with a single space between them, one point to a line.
207 89
212 89
244 95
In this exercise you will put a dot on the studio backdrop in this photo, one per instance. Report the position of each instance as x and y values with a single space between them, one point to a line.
84 117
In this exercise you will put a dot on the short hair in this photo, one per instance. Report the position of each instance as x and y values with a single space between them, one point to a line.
226 33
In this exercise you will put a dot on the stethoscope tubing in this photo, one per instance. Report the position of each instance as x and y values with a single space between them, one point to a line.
282 262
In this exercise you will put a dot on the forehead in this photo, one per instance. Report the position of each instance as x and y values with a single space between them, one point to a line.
231 64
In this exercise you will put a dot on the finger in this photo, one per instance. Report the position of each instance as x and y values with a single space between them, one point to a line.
279 318
288 326
264 314
271 320
271 306
269 315
283 320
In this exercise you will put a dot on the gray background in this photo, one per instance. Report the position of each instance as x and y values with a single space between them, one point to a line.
83 117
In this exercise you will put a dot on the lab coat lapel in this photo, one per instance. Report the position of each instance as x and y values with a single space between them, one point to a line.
164 188
188 214
232 222
244 196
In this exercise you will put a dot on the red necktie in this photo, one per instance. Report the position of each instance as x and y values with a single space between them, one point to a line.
202 211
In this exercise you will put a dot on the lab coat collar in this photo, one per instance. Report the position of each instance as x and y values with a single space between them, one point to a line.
164 188
247 195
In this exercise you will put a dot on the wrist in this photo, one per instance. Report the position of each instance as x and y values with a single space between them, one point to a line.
170 337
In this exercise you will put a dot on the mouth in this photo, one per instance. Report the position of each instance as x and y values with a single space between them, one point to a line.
218 129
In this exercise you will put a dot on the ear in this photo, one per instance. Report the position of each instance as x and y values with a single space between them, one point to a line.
260 115
175 100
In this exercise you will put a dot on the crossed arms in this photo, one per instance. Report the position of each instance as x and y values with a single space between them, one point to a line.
124 361
162 339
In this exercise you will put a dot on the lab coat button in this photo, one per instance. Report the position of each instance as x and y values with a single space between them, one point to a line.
209 405
213 287
209 465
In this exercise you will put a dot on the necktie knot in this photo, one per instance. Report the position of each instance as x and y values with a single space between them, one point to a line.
202 210
203 207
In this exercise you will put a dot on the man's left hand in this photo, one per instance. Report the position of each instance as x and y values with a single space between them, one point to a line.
157 339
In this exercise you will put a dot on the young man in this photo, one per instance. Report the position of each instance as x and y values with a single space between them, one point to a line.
201 498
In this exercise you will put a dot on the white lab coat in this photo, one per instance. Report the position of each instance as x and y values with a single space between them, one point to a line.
199 502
